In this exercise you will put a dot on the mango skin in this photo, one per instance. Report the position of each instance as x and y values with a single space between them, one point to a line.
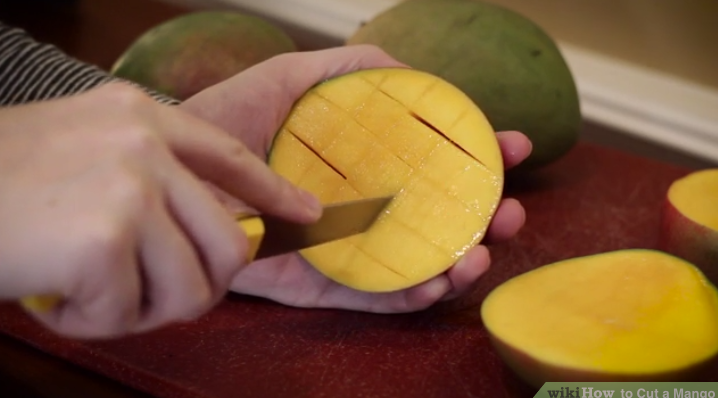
536 373
689 240
186 54
509 66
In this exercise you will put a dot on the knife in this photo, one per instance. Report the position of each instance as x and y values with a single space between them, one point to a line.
269 236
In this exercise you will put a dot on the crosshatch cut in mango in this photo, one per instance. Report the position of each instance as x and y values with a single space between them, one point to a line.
626 315
402 132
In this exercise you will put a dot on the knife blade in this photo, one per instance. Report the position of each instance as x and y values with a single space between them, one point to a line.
269 236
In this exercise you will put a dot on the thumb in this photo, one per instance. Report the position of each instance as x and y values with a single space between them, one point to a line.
224 161
290 75
295 73
262 95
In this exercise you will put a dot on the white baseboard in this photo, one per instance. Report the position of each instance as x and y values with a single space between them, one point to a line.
653 106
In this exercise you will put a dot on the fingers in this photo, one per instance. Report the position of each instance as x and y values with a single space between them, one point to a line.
467 271
273 86
219 242
149 244
510 216
462 277
508 220
96 308
175 286
186 252
215 156
190 250
297 72
229 202
457 281
515 147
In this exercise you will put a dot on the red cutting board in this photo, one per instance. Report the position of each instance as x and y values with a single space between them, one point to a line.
593 200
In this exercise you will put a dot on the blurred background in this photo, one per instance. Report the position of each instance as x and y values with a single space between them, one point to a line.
646 69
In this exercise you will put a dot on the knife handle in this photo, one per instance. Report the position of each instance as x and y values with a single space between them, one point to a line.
253 228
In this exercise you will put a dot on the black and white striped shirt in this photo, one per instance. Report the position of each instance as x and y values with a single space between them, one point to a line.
33 71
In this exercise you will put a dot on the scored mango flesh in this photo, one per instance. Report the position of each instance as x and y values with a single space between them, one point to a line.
397 132
696 197
629 312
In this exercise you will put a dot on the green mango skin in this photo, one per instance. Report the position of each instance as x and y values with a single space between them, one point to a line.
509 66
189 53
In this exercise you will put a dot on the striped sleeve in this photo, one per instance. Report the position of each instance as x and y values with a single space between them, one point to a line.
33 71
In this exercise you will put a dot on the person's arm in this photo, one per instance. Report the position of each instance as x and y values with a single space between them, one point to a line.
33 71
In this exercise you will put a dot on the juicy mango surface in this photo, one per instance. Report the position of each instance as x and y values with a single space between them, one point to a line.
401 132
627 314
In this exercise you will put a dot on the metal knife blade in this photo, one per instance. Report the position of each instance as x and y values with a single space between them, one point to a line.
338 221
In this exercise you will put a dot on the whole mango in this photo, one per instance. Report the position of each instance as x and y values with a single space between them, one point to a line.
509 66
189 53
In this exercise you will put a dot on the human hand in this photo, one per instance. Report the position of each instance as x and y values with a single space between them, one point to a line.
253 104
103 206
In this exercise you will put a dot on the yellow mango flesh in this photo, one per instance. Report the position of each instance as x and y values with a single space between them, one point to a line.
397 132
696 197
253 228
625 313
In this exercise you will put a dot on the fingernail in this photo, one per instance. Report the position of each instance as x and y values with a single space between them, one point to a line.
311 202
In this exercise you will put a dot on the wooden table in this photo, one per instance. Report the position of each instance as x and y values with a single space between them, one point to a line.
97 31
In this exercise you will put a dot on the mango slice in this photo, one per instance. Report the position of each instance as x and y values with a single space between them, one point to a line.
626 315
401 132
690 221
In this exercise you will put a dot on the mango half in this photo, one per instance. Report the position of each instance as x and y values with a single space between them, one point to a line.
401 132
690 221
626 315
